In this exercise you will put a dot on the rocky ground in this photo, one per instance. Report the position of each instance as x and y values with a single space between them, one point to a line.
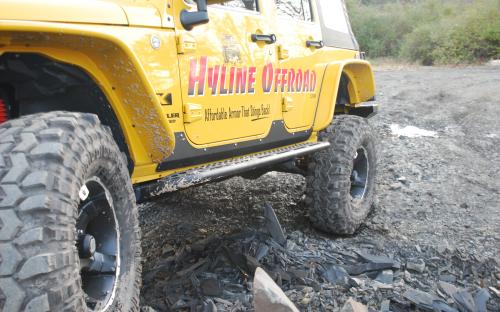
432 241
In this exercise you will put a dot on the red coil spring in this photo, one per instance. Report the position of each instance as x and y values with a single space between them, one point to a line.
3 112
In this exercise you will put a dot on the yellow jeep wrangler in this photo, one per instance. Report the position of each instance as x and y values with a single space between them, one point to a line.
106 103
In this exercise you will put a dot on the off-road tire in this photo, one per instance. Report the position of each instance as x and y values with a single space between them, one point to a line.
332 209
44 159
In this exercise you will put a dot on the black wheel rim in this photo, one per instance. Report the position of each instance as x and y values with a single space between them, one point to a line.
98 245
359 174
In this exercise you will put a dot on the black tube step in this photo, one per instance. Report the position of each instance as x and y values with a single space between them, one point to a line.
224 169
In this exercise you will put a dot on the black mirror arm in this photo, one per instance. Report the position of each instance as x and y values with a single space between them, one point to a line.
191 19
201 5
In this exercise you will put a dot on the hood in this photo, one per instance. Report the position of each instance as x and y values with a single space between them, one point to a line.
66 11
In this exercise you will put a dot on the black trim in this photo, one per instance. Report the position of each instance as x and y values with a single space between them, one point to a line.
365 110
267 39
185 154
315 44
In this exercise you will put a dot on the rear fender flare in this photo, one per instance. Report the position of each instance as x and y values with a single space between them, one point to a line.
361 88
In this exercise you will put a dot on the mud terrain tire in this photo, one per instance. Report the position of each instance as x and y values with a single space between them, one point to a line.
337 205
44 161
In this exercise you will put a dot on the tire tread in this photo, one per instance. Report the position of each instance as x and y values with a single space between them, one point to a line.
40 156
328 177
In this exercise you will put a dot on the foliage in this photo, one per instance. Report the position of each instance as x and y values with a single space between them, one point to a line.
428 31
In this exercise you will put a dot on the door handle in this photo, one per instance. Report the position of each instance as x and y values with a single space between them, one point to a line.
315 44
267 39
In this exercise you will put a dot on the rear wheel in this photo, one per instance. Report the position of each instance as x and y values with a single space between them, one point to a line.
341 179
69 232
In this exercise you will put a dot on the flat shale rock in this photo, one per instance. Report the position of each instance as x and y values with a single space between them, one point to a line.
416 265
481 299
421 299
357 269
210 285
495 291
209 306
385 277
273 225
335 274
465 301
385 306
447 289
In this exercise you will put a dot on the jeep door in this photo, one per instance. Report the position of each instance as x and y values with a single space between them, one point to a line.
220 69
299 39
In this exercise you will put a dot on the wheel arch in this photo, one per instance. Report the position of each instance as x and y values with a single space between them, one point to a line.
116 72
360 83
41 85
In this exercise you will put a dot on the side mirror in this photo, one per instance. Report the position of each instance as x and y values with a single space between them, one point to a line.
191 19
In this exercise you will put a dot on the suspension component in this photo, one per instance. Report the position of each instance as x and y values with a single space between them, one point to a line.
4 116
86 245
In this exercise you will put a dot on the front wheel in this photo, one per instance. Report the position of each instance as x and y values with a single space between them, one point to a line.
341 179
69 233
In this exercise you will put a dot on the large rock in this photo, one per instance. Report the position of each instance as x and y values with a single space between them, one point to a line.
268 296
353 306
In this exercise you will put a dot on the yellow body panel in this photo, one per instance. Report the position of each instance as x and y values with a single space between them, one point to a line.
94 12
232 104
138 53
292 37
110 55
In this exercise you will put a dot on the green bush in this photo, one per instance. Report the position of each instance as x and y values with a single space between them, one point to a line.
428 31
419 45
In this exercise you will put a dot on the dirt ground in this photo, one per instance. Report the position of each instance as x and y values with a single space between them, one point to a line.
436 194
